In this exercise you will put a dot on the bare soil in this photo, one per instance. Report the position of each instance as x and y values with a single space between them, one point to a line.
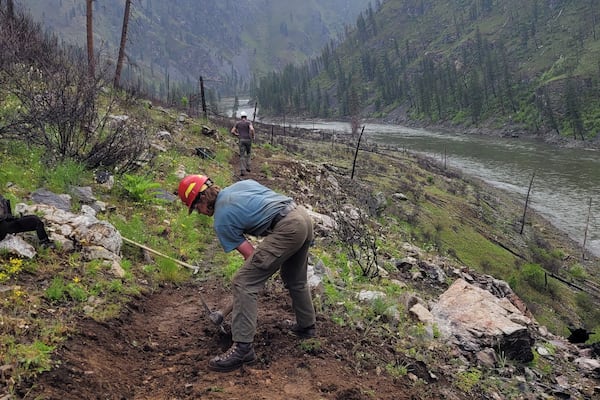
159 349
160 346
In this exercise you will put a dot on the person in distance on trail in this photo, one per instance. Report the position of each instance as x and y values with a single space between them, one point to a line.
244 130
10 223
247 207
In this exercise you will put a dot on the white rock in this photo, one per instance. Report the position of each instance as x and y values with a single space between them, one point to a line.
370 295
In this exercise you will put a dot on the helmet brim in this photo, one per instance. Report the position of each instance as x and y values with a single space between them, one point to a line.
192 206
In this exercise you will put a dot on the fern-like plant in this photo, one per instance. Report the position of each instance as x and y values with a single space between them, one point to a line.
139 188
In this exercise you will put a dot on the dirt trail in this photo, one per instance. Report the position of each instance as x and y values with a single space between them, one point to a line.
160 347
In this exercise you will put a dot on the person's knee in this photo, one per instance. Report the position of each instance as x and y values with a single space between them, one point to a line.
295 285
240 285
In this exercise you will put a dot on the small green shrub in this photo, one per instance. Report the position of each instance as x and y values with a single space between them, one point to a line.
396 370
578 272
76 292
378 307
34 357
139 188
116 285
169 271
534 275
437 333
65 175
311 346
460 118
332 294
266 169
466 380
57 289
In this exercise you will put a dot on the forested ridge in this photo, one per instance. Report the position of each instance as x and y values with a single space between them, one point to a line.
530 64
172 43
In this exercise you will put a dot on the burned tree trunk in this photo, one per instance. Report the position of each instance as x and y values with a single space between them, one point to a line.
526 203
90 38
356 152
122 45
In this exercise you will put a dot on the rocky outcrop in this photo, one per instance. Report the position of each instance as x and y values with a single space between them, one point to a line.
489 325
475 319
82 232
93 238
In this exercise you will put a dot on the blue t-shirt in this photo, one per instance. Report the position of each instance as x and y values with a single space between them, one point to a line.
246 207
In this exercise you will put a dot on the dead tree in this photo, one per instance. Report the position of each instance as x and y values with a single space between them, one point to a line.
526 202
10 9
202 98
587 224
90 38
356 152
358 236
122 45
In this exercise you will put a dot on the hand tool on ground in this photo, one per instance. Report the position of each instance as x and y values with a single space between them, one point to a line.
212 315
216 317
141 246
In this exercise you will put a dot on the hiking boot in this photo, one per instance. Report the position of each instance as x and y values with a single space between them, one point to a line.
304 333
238 354
47 244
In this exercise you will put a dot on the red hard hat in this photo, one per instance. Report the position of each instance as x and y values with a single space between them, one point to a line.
190 187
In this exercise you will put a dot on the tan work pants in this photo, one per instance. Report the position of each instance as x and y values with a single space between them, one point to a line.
284 249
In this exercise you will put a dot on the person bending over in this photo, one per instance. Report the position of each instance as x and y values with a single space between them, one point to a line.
249 208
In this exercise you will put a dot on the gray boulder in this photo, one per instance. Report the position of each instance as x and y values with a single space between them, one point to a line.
475 319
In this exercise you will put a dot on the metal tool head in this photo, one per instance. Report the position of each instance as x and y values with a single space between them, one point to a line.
212 316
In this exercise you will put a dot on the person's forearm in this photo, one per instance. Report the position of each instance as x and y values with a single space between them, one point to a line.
246 249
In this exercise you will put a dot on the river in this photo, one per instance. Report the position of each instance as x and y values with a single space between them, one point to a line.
565 178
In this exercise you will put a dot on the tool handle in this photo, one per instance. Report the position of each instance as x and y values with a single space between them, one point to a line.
184 264
227 310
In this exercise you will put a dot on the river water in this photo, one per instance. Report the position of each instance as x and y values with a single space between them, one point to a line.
565 179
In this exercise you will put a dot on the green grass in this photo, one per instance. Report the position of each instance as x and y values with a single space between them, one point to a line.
465 243
66 174
22 164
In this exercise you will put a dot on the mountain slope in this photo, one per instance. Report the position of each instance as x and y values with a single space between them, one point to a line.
528 63
225 41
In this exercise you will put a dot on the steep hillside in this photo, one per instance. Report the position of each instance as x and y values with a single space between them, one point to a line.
521 65
225 41
111 308
73 328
